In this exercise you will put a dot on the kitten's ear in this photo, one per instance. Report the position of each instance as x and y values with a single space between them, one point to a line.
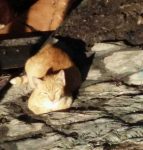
61 76
36 82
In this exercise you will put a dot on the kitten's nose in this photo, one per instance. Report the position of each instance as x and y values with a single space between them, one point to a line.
52 97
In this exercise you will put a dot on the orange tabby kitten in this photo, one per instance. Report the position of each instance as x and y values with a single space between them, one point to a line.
50 95
54 76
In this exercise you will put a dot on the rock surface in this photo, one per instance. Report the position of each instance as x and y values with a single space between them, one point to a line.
107 114
105 20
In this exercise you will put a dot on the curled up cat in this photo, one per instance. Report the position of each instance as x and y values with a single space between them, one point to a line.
53 76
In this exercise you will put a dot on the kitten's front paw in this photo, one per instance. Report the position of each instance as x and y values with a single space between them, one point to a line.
45 106
17 81
66 102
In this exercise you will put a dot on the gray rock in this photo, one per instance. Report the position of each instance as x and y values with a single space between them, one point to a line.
125 62
135 79
106 48
94 74
107 111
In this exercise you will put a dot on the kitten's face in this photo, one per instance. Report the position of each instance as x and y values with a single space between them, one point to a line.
52 87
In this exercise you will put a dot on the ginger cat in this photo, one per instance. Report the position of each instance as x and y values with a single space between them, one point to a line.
54 78
47 15
43 15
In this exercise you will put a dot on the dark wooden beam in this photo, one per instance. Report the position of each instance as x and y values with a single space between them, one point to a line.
15 51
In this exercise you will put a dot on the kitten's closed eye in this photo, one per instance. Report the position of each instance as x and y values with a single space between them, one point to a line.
44 93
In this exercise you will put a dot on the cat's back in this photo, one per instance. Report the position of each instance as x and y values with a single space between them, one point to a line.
49 57
46 15
54 56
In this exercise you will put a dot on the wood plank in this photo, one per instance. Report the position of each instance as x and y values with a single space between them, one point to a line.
14 52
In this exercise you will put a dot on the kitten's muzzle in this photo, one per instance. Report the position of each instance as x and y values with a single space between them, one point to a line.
51 97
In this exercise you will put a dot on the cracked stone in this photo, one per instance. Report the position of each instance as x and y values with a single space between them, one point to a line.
135 79
104 48
17 128
125 62
94 74
106 110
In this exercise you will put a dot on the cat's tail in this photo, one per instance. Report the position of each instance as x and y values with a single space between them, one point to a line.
19 80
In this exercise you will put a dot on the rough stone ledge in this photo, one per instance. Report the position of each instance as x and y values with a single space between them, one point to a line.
108 112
